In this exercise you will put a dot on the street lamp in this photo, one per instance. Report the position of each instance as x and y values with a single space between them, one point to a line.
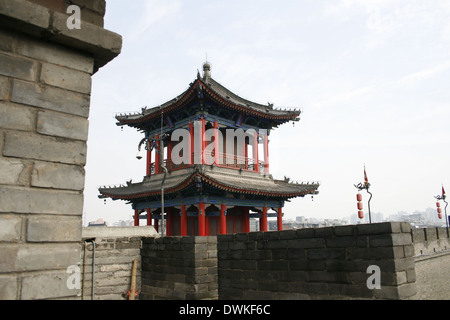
365 186
443 197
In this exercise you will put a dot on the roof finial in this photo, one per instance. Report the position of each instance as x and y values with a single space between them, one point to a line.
206 68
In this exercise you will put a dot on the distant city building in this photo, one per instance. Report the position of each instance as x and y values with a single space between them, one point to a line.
98 223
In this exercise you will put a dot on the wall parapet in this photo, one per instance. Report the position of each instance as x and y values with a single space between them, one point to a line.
324 263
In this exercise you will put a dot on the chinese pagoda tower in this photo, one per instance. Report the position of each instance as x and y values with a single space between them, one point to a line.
204 175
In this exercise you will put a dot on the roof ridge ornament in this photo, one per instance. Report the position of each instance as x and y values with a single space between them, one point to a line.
206 70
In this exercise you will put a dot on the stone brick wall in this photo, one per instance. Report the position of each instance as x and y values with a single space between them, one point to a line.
430 240
179 268
110 265
323 263
432 257
45 86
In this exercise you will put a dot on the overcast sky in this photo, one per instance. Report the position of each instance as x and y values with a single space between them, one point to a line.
372 78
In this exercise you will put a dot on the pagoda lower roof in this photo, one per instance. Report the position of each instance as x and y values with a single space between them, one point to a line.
224 179
214 91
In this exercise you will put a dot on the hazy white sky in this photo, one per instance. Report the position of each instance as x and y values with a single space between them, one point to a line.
372 78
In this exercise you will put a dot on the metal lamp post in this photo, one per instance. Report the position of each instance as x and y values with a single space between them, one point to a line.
443 197
365 186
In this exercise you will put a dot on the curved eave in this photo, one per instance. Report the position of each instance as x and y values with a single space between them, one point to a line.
286 195
191 93
215 184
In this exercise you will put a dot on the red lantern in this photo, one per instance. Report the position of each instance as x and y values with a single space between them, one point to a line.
439 210
438 204
440 216
360 206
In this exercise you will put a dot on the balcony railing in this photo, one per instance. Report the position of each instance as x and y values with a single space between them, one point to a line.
225 160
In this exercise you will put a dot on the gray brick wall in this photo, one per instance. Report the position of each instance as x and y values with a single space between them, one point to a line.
324 263
178 268
112 266
45 87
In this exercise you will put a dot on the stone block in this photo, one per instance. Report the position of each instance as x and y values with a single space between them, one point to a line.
66 78
104 44
10 227
26 12
62 125
8 287
11 170
55 54
58 176
16 117
306 243
346 241
48 229
50 98
318 254
18 67
47 256
379 228
7 40
39 147
27 200
5 87
47 285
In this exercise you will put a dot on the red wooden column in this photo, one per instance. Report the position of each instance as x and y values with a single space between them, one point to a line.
201 219
136 218
149 216
156 225
246 222
216 143
263 220
192 140
183 222
157 155
266 153
223 220
255 152
280 219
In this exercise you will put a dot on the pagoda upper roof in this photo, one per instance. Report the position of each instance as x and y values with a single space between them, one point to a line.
207 87
225 179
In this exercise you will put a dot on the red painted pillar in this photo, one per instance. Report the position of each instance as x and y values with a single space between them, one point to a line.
266 153
223 220
246 222
263 220
280 219
149 216
183 222
255 152
216 143
136 218
156 225
157 155
192 140
201 219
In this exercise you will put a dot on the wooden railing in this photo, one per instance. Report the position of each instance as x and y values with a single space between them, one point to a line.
225 160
